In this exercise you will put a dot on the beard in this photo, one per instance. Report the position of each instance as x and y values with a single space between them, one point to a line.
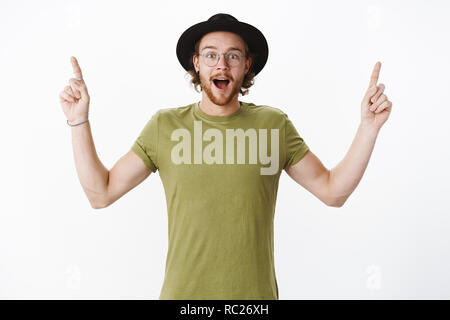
221 98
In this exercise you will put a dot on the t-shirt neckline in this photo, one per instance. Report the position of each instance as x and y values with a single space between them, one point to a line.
199 112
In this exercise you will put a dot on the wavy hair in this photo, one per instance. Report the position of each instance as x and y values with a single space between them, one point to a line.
248 78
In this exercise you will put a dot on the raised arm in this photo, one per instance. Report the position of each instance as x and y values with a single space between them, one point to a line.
334 186
101 186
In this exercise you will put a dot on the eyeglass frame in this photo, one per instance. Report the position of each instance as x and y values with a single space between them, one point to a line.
219 55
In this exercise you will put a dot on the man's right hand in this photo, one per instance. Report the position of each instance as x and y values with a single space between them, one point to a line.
74 99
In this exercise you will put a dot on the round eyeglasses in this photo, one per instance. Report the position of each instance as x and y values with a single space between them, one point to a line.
212 58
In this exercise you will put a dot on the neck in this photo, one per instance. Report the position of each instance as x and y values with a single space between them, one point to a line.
212 109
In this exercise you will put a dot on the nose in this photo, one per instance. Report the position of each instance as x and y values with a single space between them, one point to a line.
222 62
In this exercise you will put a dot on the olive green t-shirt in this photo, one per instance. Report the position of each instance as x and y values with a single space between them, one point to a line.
220 176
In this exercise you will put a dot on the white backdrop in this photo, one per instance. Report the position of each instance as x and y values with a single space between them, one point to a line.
389 241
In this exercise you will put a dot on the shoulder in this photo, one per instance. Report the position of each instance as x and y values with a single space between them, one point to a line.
266 111
170 112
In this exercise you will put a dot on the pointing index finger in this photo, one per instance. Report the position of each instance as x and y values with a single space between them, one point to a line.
375 74
76 67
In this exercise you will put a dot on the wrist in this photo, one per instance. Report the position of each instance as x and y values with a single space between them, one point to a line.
368 129
77 121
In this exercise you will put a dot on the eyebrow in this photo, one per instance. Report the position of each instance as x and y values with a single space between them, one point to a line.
230 48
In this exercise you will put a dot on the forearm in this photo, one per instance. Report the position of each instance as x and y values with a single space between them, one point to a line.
92 173
347 174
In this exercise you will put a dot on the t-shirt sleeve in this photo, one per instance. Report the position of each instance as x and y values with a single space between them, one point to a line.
295 146
146 144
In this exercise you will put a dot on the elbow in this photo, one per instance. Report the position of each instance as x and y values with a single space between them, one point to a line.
336 202
334 199
98 200
98 204
95 206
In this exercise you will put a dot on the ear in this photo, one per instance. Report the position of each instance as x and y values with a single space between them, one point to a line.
248 64
195 63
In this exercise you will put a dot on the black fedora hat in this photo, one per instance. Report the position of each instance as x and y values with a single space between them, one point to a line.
223 22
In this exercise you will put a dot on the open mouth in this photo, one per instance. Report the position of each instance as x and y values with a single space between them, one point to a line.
221 84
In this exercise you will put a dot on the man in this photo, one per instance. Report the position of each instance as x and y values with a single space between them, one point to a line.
220 160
